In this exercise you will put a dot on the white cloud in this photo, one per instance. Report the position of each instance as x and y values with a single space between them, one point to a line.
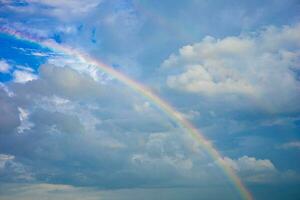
25 123
5 158
58 101
39 54
197 79
23 76
81 66
22 68
291 145
75 6
250 163
4 66
257 66
191 114
143 108
252 169
30 51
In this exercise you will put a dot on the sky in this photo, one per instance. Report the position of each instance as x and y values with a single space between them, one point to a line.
70 130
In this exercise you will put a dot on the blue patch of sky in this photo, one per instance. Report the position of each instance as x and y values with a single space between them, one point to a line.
57 38
18 52
93 40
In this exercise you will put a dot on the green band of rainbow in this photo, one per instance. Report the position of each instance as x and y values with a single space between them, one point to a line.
147 93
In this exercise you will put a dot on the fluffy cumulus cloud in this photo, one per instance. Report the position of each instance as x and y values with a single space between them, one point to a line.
259 66
252 169
260 171
250 163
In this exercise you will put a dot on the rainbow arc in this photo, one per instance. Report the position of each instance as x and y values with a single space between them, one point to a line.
148 94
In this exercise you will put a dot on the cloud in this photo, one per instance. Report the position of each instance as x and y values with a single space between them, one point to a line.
255 170
143 107
91 134
4 159
65 10
81 66
23 76
252 169
256 66
58 8
6 90
104 142
44 191
96 130
4 66
246 163
291 145
105 136
25 124
10 169
9 118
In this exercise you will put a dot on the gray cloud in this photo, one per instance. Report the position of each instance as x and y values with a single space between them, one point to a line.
79 131
9 118
13 170
88 133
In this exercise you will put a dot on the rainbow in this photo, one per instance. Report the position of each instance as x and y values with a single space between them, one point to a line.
147 93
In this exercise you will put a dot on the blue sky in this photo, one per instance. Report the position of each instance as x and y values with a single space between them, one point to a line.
70 131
